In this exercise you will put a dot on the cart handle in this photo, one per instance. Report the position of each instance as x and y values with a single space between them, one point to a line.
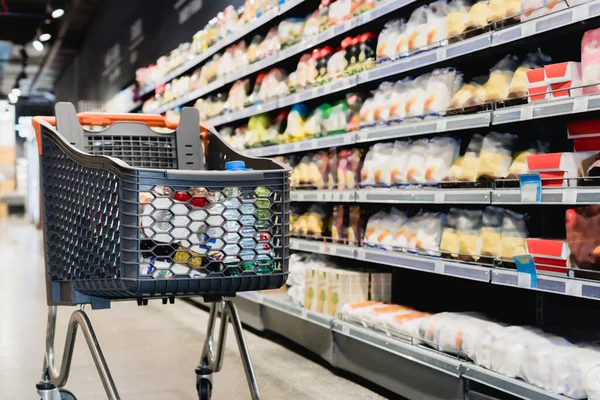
104 119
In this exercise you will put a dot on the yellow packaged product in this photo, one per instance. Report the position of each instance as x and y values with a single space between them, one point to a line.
469 230
496 155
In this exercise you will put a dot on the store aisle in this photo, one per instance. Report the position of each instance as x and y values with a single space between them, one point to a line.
152 351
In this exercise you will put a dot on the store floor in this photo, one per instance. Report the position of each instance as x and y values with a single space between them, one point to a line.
152 351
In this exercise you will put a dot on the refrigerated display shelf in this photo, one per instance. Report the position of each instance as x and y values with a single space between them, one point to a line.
485 41
558 284
355 346
550 196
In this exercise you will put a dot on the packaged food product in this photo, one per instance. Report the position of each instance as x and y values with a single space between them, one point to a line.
416 168
376 169
469 229
519 164
388 39
537 8
381 102
367 111
504 9
590 61
437 23
313 127
514 233
373 228
361 6
253 50
277 128
466 167
469 94
496 88
354 102
479 15
339 11
441 155
367 51
399 161
349 168
387 228
274 85
314 223
491 230
580 223
449 242
415 103
306 72
354 231
295 124
401 93
334 120
441 88
257 129
237 95
428 234
270 44
290 31
416 32
496 155
322 60
518 84
458 17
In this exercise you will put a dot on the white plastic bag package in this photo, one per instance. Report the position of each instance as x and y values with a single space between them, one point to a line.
381 102
449 335
416 31
531 9
429 234
373 228
399 161
374 317
389 38
415 103
353 312
401 93
415 167
406 233
440 157
389 226
514 234
589 366
367 111
437 25
376 169
404 325
441 88
504 351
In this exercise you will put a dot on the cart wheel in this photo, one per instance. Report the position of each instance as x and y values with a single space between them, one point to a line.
204 387
66 395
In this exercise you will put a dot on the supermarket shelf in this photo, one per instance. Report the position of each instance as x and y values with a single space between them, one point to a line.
429 57
306 145
215 48
546 109
369 353
563 196
547 283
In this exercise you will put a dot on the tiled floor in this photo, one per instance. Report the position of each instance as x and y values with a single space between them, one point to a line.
152 351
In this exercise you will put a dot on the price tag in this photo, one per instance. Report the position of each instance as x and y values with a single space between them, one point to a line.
303 313
345 329
528 29
441 125
573 287
526 112
531 188
526 273
580 104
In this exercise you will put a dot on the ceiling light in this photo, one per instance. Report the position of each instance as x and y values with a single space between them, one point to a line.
57 13
39 46
16 91
13 98
44 37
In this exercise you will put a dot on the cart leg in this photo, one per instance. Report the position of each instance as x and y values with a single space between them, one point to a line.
210 362
53 378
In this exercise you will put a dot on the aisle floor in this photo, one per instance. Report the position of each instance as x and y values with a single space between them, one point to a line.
152 351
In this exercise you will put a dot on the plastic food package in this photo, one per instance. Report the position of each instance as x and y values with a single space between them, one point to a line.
313 222
237 95
519 164
537 8
367 111
381 102
401 93
375 316
458 16
514 233
270 44
313 127
273 134
336 65
416 168
491 229
376 169
349 168
415 103
406 326
416 32
253 97
466 168
227 21
441 154
399 161
496 155
504 9
469 227
387 228
388 39
253 50
428 234
355 312
354 230
496 88
580 223
449 242
373 228
590 61
335 118
479 15
518 84
437 23
339 11
354 102
469 94
257 129
290 31
441 88
338 231
274 85
322 57
306 71
295 124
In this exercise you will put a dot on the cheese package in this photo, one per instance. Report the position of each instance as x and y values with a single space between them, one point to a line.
496 155
491 229
514 235
449 243
469 230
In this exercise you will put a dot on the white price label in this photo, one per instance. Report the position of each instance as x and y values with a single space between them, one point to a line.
303 313
526 112
573 288
580 104
524 280
346 329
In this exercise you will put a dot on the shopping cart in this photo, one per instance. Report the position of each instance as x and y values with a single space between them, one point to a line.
130 212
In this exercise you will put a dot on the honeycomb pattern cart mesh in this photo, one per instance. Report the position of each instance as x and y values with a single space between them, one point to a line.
132 213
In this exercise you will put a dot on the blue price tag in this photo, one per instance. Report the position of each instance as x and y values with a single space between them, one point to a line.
531 188
526 273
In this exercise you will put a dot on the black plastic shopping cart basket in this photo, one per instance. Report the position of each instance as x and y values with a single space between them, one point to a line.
132 212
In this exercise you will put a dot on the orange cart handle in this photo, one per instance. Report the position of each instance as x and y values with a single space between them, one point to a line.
104 119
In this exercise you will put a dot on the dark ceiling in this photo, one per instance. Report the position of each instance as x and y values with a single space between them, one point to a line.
19 24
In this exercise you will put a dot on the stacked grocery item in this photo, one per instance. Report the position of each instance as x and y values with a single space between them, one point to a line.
342 223
492 234
328 287
539 358
328 169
